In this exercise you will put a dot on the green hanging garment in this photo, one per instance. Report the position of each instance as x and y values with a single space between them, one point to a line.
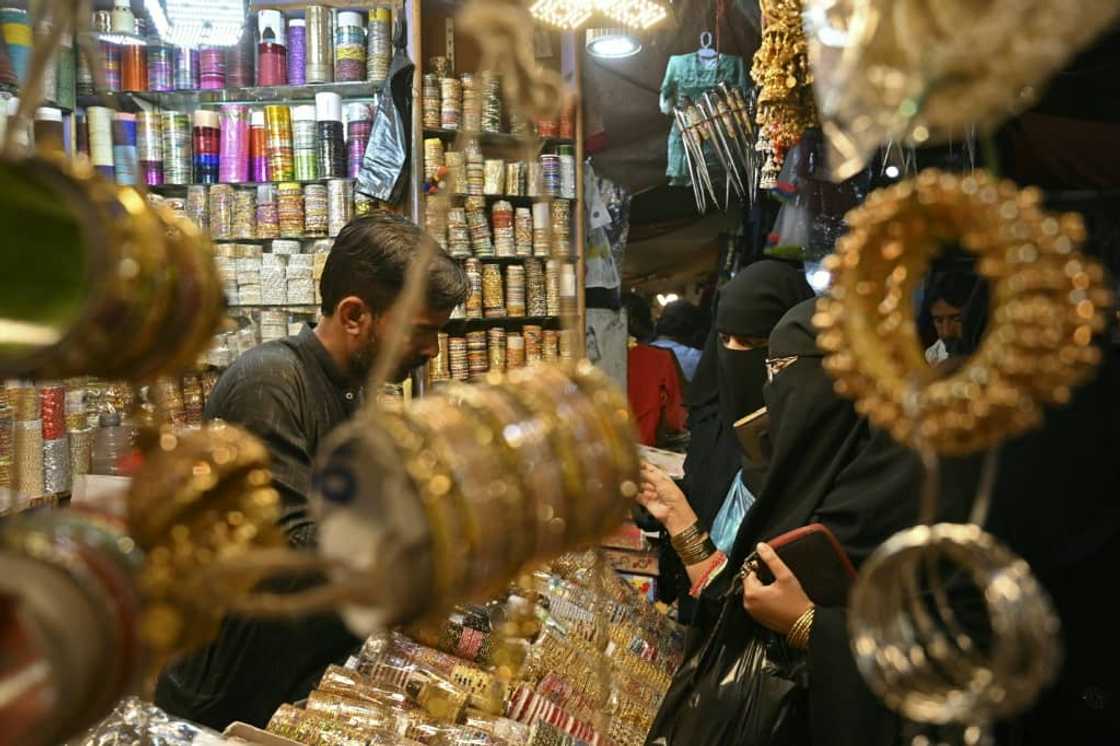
690 75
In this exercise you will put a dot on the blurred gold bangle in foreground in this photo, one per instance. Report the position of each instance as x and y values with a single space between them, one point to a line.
461 491
1048 302
97 281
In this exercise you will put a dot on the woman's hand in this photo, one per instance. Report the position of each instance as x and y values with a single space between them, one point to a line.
664 500
778 605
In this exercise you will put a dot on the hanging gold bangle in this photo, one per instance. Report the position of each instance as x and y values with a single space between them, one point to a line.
1048 305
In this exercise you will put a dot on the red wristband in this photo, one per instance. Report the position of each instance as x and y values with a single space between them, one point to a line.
716 563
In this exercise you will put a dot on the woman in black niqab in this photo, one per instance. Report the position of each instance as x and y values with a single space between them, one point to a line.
828 466
728 385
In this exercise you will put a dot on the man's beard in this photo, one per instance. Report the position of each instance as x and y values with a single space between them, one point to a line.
362 362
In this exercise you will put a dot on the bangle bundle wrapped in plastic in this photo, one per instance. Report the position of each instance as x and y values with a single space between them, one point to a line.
96 280
451 497
924 71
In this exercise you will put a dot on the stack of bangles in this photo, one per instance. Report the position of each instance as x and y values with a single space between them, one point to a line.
695 547
798 635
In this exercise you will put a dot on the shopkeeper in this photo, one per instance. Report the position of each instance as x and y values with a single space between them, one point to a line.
292 393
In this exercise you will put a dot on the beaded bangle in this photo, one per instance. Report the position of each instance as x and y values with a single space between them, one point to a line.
1048 305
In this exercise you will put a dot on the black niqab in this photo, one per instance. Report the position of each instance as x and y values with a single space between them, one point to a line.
749 307
828 465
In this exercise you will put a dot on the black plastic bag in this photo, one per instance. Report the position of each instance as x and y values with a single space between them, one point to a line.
742 686
385 163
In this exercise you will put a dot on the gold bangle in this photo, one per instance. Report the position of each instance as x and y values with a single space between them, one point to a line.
695 550
1048 304
702 553
690 533
798 635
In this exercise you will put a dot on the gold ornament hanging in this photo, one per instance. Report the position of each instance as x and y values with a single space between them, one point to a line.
926 71
785 99
200 498
1047 304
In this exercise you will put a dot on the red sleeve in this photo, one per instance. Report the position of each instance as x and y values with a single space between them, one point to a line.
643 389
655 391
675 414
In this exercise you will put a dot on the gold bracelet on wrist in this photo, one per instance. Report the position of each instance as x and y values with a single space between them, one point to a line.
697 553
798 636
693 545
689 534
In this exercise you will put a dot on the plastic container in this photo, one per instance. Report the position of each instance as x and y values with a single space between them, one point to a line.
112 442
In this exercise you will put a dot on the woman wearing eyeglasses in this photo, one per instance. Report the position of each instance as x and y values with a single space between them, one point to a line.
764 666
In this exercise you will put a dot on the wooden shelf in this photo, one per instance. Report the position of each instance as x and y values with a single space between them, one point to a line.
270 240
507 321
184 187
500 138
257 306
517 200
280 94
513 259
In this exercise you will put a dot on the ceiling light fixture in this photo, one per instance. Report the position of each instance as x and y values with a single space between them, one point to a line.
612 43
571 14
192 23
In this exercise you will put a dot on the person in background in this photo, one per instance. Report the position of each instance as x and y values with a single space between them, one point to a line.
291 393
680 324
653 380
944 305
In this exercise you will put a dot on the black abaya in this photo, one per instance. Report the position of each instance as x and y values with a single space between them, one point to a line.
728 385
828 466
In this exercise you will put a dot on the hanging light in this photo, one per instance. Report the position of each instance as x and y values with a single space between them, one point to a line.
571 14
612 43
190 23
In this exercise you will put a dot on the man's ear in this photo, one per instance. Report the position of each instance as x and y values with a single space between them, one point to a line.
353 314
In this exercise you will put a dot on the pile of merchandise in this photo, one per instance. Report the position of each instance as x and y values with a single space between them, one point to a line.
52 432
574 656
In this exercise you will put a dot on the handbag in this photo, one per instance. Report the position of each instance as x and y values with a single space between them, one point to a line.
743 685
815 557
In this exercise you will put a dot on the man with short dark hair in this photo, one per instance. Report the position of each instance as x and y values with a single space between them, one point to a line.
945 305
291 393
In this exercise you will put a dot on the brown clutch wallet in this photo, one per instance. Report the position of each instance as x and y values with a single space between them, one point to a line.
816 558
752 433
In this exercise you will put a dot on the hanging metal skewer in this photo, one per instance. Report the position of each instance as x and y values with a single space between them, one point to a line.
725 146
694 155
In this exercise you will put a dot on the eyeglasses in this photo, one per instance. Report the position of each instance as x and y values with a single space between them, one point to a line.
775 365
